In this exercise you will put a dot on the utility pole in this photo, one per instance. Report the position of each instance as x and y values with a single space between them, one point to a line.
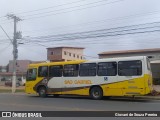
15 50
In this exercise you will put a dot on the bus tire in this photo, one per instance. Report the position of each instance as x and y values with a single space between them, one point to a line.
42 92
96 93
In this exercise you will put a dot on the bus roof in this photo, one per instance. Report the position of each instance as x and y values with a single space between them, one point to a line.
117 59
87 61
58 63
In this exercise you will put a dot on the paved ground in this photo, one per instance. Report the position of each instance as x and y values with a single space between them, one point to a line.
7 87
22 102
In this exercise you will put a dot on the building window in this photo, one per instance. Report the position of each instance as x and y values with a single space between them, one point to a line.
70 70
130 68
87 69
107 69
65 53
150 56
81 57
74 55
77 56
69 54
52 53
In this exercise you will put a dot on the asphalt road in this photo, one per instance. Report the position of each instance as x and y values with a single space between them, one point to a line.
73 103
22 102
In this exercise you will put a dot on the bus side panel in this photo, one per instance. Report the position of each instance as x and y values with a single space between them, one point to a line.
82 91
112 90
29 87
148 83
134 86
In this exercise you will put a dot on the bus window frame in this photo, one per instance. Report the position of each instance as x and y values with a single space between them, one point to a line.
95 73
46 73
75 72
148 64
108 68
28 77
132 74
49 68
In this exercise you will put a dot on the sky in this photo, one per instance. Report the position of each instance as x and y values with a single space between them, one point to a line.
59 17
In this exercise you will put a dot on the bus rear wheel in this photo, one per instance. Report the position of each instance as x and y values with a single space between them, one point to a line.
42 92
96 93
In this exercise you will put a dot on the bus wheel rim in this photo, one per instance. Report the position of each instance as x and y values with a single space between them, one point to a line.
96 93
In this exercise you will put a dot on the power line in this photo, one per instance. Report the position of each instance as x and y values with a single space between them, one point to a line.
98 36
64 9
67 8
95 32
100 21
31 11
59 6
69 3
60 9
113 35
49 46
6 34
2 50
74 10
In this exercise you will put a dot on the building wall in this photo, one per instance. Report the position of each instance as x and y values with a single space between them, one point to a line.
21 65
154 55
72 54
54 54
64 54
3 68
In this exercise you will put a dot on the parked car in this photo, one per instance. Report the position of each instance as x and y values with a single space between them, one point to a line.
9 83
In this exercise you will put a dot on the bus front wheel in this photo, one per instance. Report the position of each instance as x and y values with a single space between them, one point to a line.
42 92
96 93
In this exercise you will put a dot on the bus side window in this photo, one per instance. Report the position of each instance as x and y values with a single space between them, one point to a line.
130 68
88 69
107 69
70 70
55 71
43 71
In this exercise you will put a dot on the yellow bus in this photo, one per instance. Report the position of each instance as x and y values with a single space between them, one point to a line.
125 76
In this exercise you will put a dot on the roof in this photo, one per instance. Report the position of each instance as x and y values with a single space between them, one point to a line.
66 47
130 51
